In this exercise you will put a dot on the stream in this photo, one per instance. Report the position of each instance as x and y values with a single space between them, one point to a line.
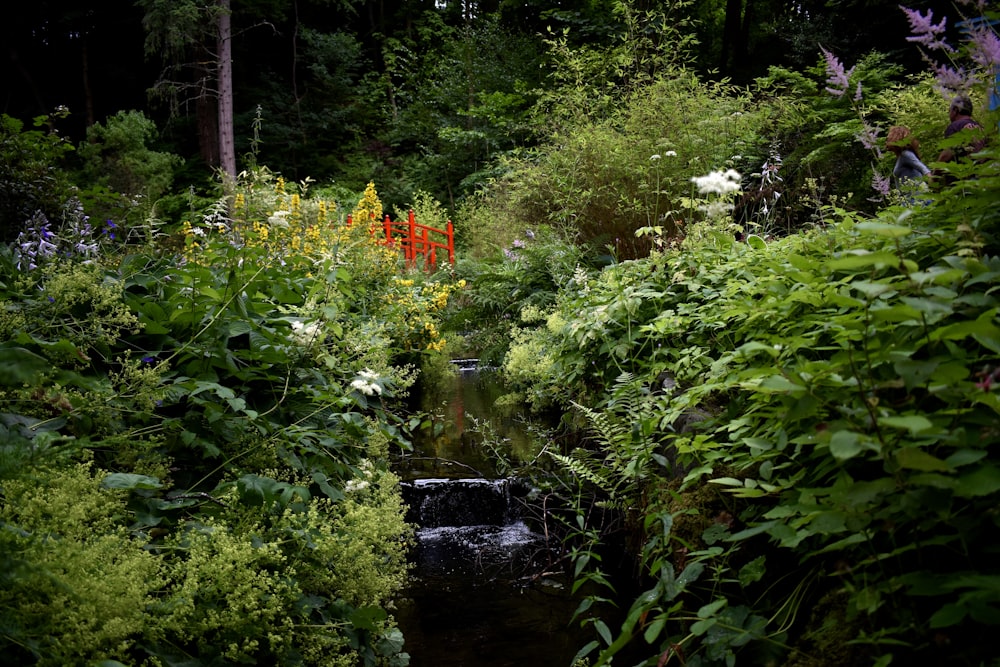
481 592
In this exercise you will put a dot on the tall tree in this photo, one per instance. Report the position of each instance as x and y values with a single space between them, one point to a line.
227 143
194 39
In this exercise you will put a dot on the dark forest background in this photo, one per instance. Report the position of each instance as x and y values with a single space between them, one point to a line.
417 95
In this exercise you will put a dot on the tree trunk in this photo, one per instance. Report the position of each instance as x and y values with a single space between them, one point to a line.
227 144
730 34
207 115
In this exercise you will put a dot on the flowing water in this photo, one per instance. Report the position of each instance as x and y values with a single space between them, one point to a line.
485 590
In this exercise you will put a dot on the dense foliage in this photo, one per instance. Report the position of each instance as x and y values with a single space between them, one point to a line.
783 370
194 458
796 431
417 95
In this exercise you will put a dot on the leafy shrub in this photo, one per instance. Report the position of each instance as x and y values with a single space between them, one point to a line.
33 177
835 387
237 408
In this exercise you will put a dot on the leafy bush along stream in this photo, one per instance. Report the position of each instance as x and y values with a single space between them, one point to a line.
802 434
194 457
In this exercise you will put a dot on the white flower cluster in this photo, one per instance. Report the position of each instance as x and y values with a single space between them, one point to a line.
366 383
279 219
305 334
718 182
355 485
358 484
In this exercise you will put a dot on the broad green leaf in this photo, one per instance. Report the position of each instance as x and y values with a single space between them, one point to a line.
913 423
752 571
751 531
934 310
914 458
757 346
209 291
915 373
712 608
779 383
948 615
964 457
895 313
701 627
19 365
238 327
367 618
603 631
982 481
727 481
587 649
845 445
883 229
863 259
838 545
828 522
983 327
654 629
871 289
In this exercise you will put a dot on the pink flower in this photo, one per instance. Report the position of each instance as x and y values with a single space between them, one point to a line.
985 47
925 32
880 184
951 81
838 79
869 139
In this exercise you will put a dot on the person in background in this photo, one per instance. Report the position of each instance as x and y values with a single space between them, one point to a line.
906 148
960 118
909 171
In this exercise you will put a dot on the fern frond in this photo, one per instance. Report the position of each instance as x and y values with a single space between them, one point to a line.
610 431
588 470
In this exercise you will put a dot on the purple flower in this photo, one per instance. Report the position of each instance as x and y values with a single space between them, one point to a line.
985 48
925 32
951 81
869 139
880 184
148 360
838 79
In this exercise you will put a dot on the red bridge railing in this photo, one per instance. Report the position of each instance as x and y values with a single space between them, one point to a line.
417 240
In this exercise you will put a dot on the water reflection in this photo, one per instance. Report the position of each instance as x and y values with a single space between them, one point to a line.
485 590
467 425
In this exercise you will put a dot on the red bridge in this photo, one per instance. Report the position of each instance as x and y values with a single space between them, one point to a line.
417 240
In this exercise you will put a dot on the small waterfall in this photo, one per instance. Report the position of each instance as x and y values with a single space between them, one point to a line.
472 526
485 588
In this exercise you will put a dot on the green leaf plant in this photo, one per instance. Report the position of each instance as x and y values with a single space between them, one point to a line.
194 453
822 454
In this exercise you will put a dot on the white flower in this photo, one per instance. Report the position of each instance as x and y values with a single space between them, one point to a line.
654 157
365 387
368 374
355 485
277 219
717 209
671 153
305 334
718 182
